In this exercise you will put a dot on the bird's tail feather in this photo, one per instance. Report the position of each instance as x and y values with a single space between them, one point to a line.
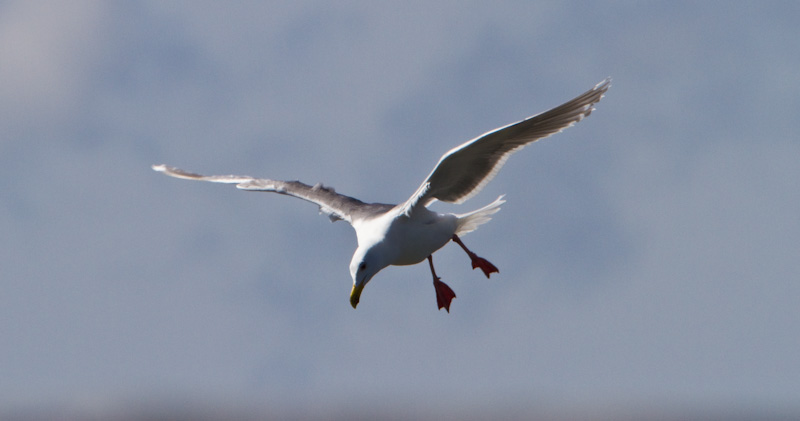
469 222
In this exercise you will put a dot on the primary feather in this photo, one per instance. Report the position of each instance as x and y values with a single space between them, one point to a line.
464 170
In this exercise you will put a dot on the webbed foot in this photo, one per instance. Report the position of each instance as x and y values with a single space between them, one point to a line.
444 295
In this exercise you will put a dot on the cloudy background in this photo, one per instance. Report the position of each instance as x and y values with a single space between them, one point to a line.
649 256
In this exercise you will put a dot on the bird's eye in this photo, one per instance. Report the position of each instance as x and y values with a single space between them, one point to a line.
362 266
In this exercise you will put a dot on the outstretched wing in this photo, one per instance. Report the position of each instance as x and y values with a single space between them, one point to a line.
336 206
463 171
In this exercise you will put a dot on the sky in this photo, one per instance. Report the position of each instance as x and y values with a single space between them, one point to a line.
648 255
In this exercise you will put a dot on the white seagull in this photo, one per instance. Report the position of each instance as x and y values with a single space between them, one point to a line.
408 233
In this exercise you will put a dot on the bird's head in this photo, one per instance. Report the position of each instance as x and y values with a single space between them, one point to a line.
365 264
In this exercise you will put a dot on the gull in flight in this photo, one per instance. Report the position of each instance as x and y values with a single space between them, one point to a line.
408 233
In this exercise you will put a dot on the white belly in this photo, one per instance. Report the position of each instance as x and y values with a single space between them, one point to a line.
414 239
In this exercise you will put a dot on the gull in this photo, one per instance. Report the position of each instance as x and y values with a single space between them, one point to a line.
409 233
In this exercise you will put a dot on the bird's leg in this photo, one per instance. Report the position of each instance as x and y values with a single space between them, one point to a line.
477 262
444 295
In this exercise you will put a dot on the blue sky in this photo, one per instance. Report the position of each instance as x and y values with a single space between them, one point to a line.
648 256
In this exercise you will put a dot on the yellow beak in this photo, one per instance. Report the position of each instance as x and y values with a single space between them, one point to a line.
355 295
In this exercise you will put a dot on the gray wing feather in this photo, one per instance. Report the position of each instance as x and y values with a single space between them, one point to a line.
336 206
463 171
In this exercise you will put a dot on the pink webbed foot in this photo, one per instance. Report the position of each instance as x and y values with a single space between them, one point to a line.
444 295
477 262
486 266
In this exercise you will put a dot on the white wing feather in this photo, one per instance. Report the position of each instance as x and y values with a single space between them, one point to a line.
336 206
464 170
